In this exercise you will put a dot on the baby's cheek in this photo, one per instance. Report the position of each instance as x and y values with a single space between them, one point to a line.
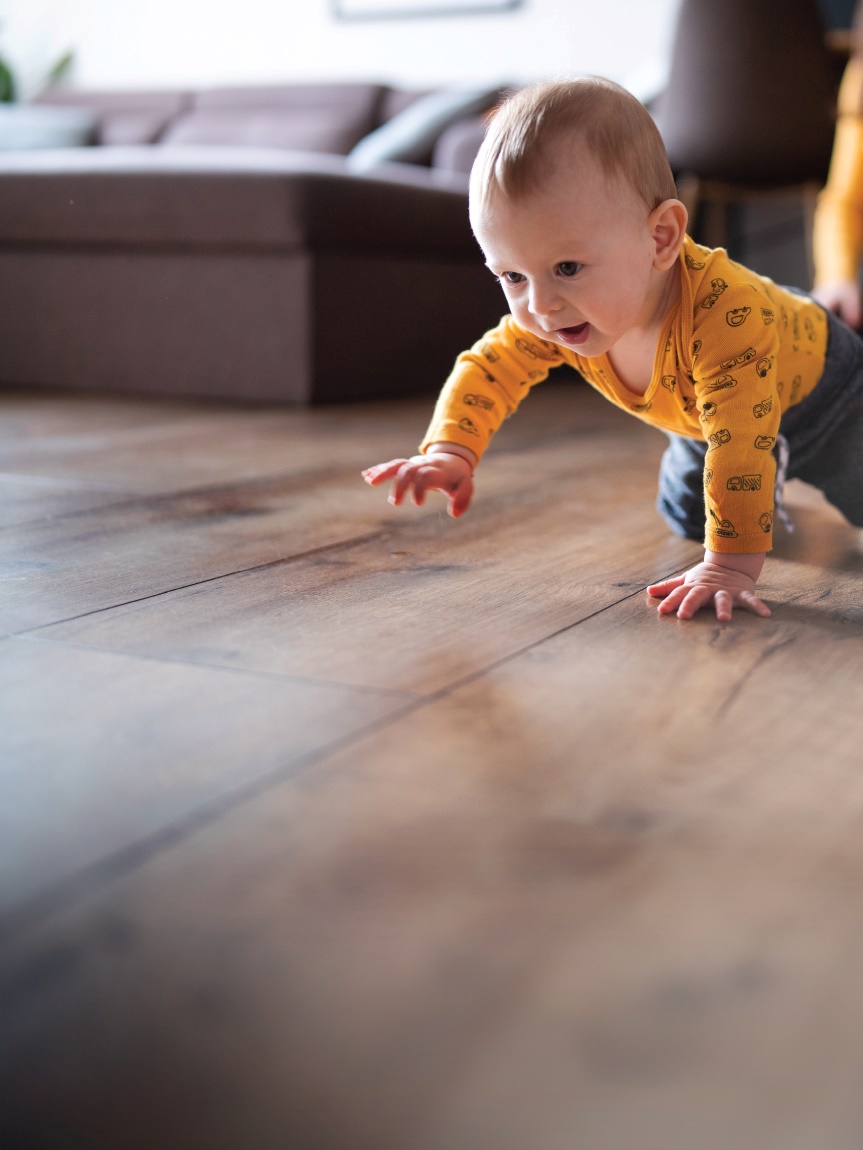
530 324
521 314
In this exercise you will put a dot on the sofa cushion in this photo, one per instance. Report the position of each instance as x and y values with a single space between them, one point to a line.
457 146
410 135
397 99
123 117
22 126
308 117
314 130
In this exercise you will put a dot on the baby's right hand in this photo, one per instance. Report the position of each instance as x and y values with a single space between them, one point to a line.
440 471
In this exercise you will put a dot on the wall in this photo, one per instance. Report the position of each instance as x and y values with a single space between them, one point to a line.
131 43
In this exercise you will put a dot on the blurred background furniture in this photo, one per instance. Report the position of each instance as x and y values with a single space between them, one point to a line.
748 111
26 126
299 243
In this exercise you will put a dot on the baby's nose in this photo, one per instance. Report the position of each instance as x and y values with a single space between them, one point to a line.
544 299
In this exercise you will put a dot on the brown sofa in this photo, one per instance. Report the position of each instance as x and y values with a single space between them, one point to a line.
305 243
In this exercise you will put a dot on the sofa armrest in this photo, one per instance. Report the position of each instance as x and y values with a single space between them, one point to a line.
224 197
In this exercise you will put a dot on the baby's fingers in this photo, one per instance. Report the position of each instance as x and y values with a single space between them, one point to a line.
672 600
723 602
752 603
686 600
404 480
665 587
459 500
381 472
426 479
699 596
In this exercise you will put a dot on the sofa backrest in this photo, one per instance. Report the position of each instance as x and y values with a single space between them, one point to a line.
412 133
395 100
305 117
314 117
457 146
124 117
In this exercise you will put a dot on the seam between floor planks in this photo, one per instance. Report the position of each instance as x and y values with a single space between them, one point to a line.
352 542
119 863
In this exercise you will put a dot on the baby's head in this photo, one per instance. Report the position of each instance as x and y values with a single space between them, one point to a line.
574 205
541 131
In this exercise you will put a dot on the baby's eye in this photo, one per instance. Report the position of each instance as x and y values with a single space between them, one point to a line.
569 268
511 277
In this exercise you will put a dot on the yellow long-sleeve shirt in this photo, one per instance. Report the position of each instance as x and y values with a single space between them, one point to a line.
734 353
838 231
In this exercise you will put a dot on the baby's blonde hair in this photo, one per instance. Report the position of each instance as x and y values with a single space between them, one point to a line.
531 128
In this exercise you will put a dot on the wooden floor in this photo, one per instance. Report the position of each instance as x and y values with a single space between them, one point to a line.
329 826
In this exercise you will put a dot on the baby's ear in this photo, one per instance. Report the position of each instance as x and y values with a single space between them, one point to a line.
668 230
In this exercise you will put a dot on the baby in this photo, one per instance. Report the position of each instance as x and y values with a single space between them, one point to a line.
574 206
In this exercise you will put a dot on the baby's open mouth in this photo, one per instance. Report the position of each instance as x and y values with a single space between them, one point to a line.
575 334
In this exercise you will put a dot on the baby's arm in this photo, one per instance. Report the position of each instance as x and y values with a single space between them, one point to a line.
726 579
446 467
473 404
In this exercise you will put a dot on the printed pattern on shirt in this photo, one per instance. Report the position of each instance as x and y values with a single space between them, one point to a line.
736 352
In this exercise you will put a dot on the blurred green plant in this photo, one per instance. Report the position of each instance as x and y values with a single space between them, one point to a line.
7 83
9 88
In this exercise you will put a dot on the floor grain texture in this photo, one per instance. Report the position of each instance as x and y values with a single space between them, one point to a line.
327 826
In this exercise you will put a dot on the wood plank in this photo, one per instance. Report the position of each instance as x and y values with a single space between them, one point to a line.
430 600
100 751
152 446
179 455
163 446
96 559
150 545
31 413
601 896
26 499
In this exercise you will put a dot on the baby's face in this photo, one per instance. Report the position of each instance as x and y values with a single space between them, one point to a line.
574 259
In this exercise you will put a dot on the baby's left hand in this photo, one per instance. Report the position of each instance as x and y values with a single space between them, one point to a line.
726 585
